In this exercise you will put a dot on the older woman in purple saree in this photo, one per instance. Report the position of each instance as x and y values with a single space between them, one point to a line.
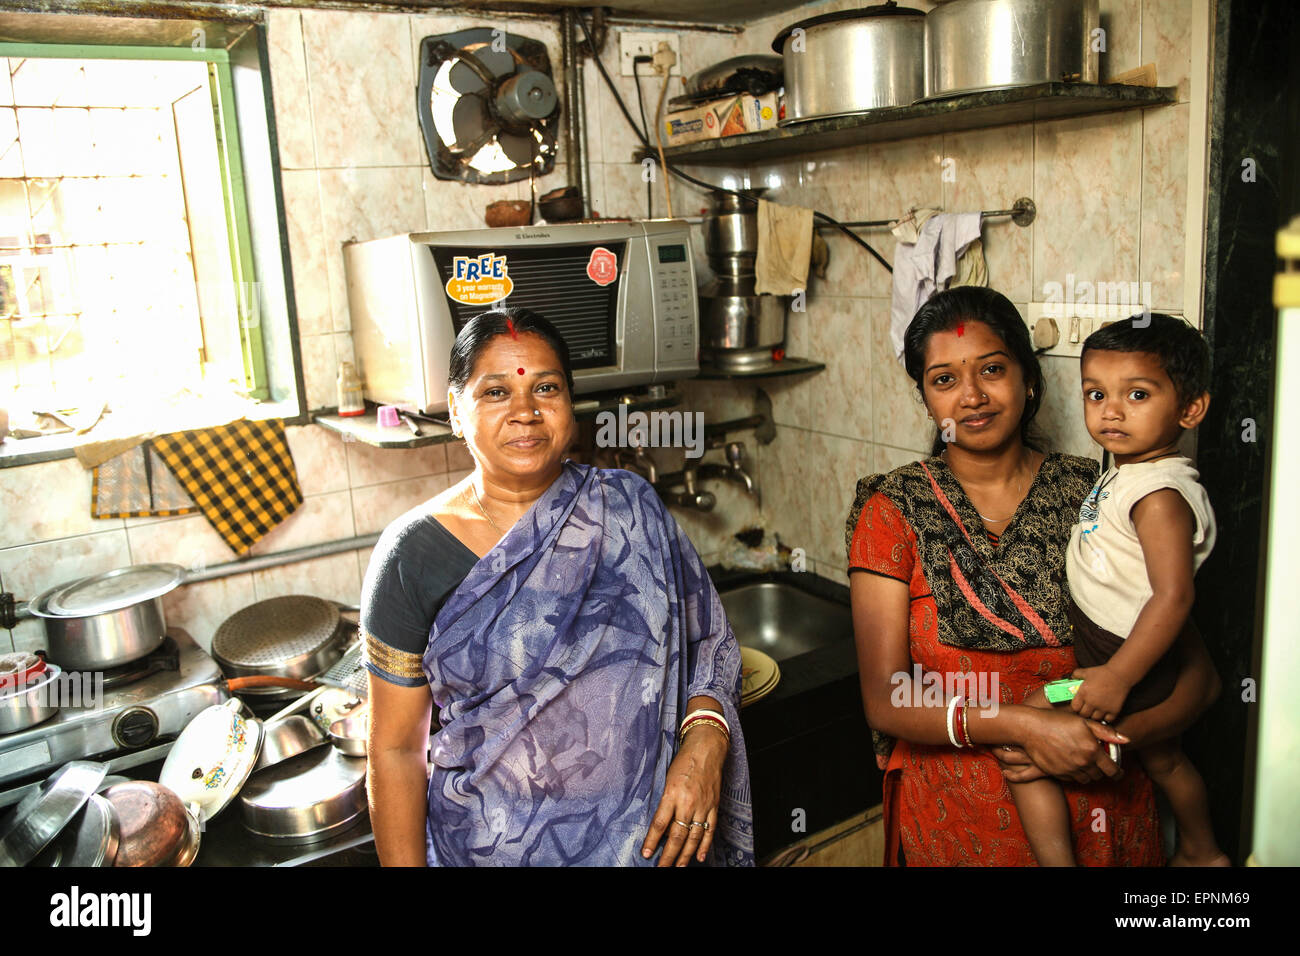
585 675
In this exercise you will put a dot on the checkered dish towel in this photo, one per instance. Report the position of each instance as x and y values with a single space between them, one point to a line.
240 475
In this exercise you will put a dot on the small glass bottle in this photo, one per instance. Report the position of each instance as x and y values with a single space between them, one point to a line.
351 398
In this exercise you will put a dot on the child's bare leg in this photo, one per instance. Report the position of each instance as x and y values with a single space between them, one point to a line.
1171 771
1044 813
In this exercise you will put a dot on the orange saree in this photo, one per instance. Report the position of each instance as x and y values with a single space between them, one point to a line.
1005 623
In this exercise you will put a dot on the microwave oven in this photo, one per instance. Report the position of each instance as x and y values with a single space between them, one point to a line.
622 294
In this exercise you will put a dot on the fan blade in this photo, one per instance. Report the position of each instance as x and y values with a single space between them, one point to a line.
464 78
469 118
517 147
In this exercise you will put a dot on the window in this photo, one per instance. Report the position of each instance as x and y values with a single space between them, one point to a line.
132 283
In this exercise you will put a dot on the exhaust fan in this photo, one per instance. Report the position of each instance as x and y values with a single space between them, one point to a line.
487 106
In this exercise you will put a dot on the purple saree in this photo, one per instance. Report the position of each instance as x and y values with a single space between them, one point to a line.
561 668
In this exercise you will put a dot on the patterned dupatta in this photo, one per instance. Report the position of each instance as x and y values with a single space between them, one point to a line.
561 667
1004 597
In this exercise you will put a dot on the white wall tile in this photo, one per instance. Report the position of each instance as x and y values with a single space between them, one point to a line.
368 465
375 506
359 204
307 250
289 89
319 457
362 75
33 568
47 500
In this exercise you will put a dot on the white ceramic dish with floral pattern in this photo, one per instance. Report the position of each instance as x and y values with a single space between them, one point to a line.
213 757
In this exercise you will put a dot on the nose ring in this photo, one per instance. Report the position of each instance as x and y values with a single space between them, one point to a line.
537 411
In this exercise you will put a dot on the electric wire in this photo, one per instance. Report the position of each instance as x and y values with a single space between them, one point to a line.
613 89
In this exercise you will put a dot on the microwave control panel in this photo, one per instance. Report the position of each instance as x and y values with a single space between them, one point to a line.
676 306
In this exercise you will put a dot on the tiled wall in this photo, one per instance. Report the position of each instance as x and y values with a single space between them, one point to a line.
1110 193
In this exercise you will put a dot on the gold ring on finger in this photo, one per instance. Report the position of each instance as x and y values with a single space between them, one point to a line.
699 823
682 823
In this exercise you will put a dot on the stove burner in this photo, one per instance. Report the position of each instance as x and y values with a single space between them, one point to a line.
167 657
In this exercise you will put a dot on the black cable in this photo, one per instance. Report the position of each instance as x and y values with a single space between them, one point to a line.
582 22
644 132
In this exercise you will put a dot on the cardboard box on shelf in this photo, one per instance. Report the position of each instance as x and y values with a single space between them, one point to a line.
729 116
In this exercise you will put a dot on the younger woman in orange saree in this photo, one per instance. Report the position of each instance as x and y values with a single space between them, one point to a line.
939 585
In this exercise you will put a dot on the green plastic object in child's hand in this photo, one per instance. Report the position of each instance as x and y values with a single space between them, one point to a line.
1060 691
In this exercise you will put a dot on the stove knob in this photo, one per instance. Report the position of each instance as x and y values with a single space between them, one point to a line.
135 727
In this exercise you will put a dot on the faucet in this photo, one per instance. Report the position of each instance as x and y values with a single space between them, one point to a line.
734 470
637 461
690 497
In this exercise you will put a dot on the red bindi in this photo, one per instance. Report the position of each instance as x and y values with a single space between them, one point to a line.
520 371
961 329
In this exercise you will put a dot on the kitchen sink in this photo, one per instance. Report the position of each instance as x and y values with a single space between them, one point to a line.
783 621
813 719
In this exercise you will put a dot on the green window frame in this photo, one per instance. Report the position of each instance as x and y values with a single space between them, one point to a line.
221 90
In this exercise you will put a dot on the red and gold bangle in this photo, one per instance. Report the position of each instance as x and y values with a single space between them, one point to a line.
705 717
965 725
958 724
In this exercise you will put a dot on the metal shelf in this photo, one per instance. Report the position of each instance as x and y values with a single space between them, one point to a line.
1045 101
787 366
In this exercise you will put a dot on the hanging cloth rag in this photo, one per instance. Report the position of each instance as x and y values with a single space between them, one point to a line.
925 267
240 475
784 246
136 484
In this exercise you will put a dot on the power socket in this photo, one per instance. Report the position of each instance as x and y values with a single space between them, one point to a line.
632 45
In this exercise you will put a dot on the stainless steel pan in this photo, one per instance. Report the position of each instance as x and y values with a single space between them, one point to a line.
305 798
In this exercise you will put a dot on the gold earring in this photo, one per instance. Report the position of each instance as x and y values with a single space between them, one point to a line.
1031 392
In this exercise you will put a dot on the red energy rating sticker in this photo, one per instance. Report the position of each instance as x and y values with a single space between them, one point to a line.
602 267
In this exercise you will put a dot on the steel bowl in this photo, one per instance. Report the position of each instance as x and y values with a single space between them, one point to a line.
91 839
285 738
41 814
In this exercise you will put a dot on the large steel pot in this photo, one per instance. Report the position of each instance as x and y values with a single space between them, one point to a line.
104 620
739 329
975 45
852 61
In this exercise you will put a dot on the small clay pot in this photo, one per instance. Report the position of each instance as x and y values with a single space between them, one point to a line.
509 212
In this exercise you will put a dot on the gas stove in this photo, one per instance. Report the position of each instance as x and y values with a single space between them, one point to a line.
140 710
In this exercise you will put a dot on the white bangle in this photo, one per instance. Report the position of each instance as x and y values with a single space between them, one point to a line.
952 706
709 713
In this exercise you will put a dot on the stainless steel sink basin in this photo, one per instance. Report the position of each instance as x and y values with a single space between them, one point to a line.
783 621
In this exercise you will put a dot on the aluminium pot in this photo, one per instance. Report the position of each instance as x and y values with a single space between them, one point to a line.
30 700
849 62
977 45
105 620
738 328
